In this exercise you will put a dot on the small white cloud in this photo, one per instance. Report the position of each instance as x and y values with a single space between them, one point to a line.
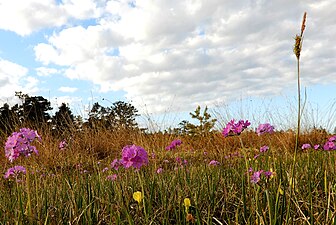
45 71
68 89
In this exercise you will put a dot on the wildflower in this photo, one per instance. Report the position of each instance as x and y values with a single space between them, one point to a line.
316 147
306 146
112 177
269 174
255 178
105 169
173 145
233 128
214 163
264 129
19 143
137 196
332 138
264 148
159 170
134 156
116 163
14 172
187 204
256 156
330 144
63 145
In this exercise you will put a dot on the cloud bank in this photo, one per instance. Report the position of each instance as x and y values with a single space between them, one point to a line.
182 52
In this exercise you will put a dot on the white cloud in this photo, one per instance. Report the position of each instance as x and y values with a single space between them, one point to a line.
45 71
14 77
68 89
193 52
25 17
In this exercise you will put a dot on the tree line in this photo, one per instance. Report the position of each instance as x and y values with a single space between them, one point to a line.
34 111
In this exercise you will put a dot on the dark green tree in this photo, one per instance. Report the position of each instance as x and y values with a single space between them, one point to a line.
120 115
33 109
123 116
8 119
63 119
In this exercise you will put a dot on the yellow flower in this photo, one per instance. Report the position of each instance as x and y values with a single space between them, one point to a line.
137 196
187 204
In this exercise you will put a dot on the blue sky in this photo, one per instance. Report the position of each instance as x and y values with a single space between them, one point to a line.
167 57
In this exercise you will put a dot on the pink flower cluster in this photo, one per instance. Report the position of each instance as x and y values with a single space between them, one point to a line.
19 143
14 172
330 144
173 145
233 128
264 129
256 176
134 156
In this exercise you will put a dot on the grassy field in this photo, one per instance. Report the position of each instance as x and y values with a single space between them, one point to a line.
78 184
100 176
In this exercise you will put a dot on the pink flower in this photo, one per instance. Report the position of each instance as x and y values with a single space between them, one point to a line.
134 156
255 178
233 128
159 170
306 146
112 177
19 143
264 148
116 163
14 172
173 145
214 163
63 145
264 129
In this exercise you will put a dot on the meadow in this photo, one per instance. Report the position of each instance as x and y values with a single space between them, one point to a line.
242 173
226 177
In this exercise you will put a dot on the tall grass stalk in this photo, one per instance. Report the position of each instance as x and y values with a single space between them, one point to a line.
297 51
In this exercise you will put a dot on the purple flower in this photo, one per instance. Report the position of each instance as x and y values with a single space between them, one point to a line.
173 145
265 128
255 178
329 145
332 138
62 145
134 156
159 170
264 148
233 128
316 147
306 146
19 143
256 156
116 163
268 174
14 172
112 177
214 163
105 169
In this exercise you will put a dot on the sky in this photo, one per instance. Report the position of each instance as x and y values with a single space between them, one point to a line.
168 56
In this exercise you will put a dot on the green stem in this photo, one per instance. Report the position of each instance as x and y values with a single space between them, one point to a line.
143 198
